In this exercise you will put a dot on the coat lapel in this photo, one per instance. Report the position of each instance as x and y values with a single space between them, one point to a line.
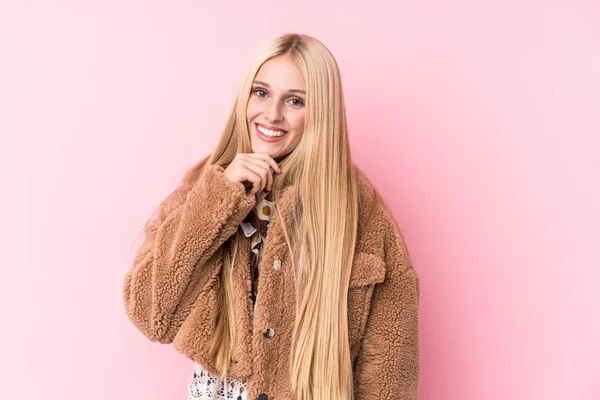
242 359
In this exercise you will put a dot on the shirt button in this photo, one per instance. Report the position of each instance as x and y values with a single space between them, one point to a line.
276 265
262 396
269 333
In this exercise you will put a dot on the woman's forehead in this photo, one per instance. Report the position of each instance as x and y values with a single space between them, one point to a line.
281 73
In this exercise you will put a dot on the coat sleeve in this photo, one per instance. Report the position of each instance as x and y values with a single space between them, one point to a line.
189 229
387 365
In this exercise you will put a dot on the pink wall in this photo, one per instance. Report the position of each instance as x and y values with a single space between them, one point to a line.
478 122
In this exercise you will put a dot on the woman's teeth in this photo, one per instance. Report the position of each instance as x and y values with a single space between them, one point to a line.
270 132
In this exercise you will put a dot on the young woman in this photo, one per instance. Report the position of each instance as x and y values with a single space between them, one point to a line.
327 307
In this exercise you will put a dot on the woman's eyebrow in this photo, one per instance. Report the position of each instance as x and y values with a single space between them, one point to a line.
267 85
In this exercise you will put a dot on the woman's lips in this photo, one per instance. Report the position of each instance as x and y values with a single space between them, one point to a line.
273 128
268 139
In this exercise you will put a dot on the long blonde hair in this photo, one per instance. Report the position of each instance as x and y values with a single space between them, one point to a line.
324 224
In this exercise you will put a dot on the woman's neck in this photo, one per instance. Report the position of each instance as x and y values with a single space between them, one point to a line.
281 158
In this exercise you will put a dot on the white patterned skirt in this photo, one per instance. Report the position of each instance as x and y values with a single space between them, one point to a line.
204 386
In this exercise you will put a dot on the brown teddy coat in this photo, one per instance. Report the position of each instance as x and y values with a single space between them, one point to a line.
170 291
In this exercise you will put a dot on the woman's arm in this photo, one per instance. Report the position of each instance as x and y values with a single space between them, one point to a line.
387 366
189 229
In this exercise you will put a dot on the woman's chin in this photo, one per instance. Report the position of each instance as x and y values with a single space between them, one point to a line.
273 153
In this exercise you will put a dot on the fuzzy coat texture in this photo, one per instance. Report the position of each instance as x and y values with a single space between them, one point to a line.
170 292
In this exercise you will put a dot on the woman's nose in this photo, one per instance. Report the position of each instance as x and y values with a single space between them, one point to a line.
274 113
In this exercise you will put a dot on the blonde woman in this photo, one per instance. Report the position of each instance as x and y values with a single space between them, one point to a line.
276 266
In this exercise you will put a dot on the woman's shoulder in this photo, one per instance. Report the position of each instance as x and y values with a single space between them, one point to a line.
378 231
373 209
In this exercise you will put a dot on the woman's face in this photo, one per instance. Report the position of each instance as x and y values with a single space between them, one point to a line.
276 110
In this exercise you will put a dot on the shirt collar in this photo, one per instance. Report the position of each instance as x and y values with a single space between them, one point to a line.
250 224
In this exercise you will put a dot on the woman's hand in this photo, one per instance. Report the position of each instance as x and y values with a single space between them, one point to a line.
254 168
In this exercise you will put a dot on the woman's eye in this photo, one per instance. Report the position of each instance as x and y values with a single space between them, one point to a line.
298 103
260 92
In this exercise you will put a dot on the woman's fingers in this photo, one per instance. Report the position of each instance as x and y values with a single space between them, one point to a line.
266 157
258 175
267 167
246 176
257 168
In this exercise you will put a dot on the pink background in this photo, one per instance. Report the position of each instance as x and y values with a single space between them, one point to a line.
478 121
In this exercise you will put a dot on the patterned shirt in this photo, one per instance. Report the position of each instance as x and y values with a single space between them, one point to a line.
255 228
202 385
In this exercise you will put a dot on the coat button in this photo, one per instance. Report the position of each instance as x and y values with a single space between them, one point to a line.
276 265
269 333
262 396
